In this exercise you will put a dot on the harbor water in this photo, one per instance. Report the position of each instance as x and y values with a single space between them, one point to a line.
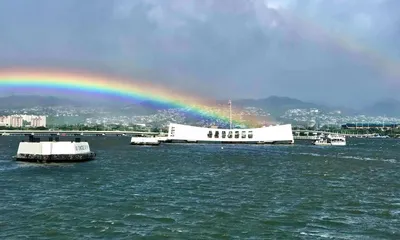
191 191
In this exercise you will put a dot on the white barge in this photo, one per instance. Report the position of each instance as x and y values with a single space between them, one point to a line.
278 134
54 151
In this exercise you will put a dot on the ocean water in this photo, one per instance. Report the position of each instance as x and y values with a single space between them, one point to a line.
190 191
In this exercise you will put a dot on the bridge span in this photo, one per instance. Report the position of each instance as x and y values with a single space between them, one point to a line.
314 134
298 134
73 132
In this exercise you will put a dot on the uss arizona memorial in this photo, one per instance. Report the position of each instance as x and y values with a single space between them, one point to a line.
272 134
265 135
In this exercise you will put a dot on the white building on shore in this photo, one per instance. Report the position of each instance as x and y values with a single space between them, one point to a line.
19 120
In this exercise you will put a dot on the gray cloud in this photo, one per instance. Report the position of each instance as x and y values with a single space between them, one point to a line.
220 48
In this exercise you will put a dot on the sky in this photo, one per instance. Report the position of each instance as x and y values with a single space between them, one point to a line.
337 52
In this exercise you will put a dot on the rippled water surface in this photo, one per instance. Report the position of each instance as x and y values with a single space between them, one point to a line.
205 192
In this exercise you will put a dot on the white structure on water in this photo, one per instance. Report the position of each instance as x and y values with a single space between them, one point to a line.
265 135
331 140
145 141
54 151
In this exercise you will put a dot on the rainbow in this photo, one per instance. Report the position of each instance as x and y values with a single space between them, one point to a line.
110 86
388 66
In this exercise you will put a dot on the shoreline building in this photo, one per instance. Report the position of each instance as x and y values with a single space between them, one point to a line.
365 125
23 120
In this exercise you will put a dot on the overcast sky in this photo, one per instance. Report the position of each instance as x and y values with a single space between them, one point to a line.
332 51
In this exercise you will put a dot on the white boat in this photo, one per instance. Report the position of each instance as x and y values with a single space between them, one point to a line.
145 141
162 139
331 140
378 136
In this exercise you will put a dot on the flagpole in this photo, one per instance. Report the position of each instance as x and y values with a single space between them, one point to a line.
230 114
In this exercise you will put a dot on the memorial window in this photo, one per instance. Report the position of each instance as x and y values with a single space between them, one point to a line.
223 134
250 134
230 134
209 135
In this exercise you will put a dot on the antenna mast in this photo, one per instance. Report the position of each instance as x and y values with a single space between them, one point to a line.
230 114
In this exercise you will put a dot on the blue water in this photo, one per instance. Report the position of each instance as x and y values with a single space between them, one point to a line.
191 191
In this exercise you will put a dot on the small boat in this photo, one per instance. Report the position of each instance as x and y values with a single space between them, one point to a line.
331 140
379 136
145 141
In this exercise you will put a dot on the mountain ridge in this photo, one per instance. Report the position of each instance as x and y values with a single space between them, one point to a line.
275 105
30 101
388 106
